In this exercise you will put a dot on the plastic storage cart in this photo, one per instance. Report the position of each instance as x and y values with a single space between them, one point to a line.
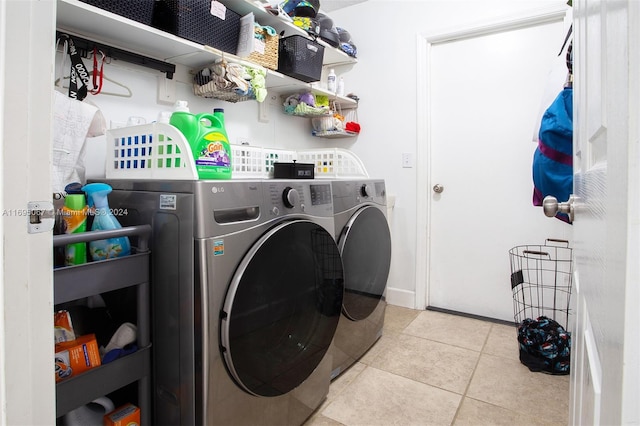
79 281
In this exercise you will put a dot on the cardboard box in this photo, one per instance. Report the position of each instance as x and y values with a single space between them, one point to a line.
76 356
127 415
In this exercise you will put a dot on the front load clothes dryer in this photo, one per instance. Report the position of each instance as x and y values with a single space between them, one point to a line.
247 287
364 240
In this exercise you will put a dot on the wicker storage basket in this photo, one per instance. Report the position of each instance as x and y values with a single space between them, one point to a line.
141 10
211 90
266 53
192 20
300 58
209 86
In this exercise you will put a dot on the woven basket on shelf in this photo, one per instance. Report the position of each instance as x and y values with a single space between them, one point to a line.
211 90
269 57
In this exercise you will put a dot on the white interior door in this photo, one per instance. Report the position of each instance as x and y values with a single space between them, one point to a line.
485 88
27 386
605 350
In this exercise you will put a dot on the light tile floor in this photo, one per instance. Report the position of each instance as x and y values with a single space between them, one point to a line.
431 368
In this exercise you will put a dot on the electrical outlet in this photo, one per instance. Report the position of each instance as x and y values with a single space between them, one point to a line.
407 160
166 90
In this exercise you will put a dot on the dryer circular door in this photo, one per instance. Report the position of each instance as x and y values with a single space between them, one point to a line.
365 246
282 308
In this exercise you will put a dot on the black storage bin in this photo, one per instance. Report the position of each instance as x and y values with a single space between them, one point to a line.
300 58
139 10
192 20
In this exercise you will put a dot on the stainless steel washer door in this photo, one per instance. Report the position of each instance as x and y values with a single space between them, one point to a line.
282 308
365 246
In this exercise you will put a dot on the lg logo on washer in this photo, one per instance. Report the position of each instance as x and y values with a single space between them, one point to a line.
220 189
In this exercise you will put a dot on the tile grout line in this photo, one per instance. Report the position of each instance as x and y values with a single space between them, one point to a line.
466 389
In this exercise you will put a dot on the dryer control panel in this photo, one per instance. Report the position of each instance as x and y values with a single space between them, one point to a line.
350 194
372 191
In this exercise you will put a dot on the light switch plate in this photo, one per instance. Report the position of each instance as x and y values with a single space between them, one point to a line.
407 160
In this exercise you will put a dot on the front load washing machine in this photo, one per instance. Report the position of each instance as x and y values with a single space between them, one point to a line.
363 236
247 287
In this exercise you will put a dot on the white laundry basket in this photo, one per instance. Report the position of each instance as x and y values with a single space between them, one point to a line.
160 151
256 162
149 151
333 163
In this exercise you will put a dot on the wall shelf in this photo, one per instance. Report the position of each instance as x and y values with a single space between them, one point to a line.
102 27
83 20
77 18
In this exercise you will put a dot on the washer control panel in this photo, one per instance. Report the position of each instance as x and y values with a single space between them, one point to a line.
294 196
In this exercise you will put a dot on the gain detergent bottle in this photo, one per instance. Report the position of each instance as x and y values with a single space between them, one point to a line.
209 143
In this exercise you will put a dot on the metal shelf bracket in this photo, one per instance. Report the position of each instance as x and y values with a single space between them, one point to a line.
85 47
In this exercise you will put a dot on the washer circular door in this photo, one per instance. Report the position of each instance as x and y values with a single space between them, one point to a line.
365 247
282 308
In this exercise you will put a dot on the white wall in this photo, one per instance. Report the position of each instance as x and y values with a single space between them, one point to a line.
385 33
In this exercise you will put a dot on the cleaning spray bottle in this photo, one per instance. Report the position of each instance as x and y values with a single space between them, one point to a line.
102 221
74 216
207 137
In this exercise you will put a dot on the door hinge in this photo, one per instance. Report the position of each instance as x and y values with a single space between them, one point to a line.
41 217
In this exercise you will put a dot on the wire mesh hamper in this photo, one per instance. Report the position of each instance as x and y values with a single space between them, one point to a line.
541 282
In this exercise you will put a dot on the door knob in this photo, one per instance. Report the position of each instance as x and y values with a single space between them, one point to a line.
551 206
437 188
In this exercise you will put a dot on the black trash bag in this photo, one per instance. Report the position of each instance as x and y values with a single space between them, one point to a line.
545 346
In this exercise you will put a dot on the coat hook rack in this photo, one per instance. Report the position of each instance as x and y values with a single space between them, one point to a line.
85 46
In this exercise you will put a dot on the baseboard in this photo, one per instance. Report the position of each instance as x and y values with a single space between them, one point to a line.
401 297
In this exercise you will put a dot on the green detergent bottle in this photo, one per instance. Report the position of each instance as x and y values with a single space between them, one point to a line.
74 215
186 122
207 137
